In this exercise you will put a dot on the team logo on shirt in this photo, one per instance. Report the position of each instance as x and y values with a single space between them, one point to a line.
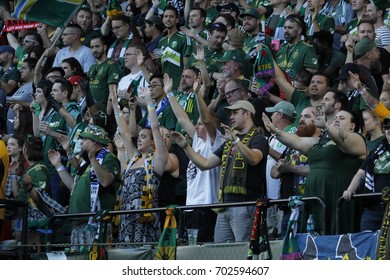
295 54
174 44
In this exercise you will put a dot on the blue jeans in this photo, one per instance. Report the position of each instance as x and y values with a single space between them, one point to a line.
58 191
234 224
372 217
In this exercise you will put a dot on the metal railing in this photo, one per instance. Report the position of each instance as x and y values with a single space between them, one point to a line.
341 200
180 209
5 203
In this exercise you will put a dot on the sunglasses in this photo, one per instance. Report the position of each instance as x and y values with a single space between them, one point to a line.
26 41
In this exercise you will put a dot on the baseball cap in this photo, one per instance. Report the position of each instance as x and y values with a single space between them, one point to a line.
8 49
75 80
156 20
241 104
283 107
229 6
363 46
231 55
344 71
250 12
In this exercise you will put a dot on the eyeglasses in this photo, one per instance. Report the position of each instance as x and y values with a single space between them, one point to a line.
66 34
116 28
154 85
229 93
54 77
26 41
386 127
128 54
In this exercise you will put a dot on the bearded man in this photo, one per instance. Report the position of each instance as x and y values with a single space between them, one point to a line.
292 167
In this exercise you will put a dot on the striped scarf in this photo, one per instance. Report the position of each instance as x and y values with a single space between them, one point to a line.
369 182
233 161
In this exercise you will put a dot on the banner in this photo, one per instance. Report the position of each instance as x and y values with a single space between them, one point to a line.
11 25
166 249
51 12
353 246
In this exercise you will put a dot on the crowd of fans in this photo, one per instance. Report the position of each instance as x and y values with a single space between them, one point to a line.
196 102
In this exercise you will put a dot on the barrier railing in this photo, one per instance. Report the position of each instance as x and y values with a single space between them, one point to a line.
341 200
181 209
4 203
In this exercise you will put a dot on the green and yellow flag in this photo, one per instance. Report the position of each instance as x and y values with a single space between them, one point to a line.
51 12
113 8
166 249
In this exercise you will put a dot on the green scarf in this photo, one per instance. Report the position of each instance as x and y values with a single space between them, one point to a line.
232 160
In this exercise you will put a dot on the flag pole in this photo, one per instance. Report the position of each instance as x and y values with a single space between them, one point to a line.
58 35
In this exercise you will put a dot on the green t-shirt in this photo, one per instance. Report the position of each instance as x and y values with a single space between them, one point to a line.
20 54
101 76
166 118
300 101
73 110
81 195
57 124
174 49
189 105
293 58
193 44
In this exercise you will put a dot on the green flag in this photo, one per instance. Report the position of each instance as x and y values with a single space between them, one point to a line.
166 249
51 12
113 8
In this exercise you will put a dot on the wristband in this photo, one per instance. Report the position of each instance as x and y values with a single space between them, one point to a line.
170 94
118 114
277 131
60 168
121 149
363 90
235 142
12 176
325 129
151 107
154 8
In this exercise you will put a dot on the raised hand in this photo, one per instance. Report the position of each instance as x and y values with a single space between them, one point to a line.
179 139
118 140
188 32
268 124
229 133
64 141
320 120
199 53
140 58
355 81
54 157
168 83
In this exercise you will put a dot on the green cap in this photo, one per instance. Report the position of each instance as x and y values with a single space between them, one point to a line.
250 12
363 46
95 133
382 4
232 55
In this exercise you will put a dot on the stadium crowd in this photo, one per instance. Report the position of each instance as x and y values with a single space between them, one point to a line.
154 103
